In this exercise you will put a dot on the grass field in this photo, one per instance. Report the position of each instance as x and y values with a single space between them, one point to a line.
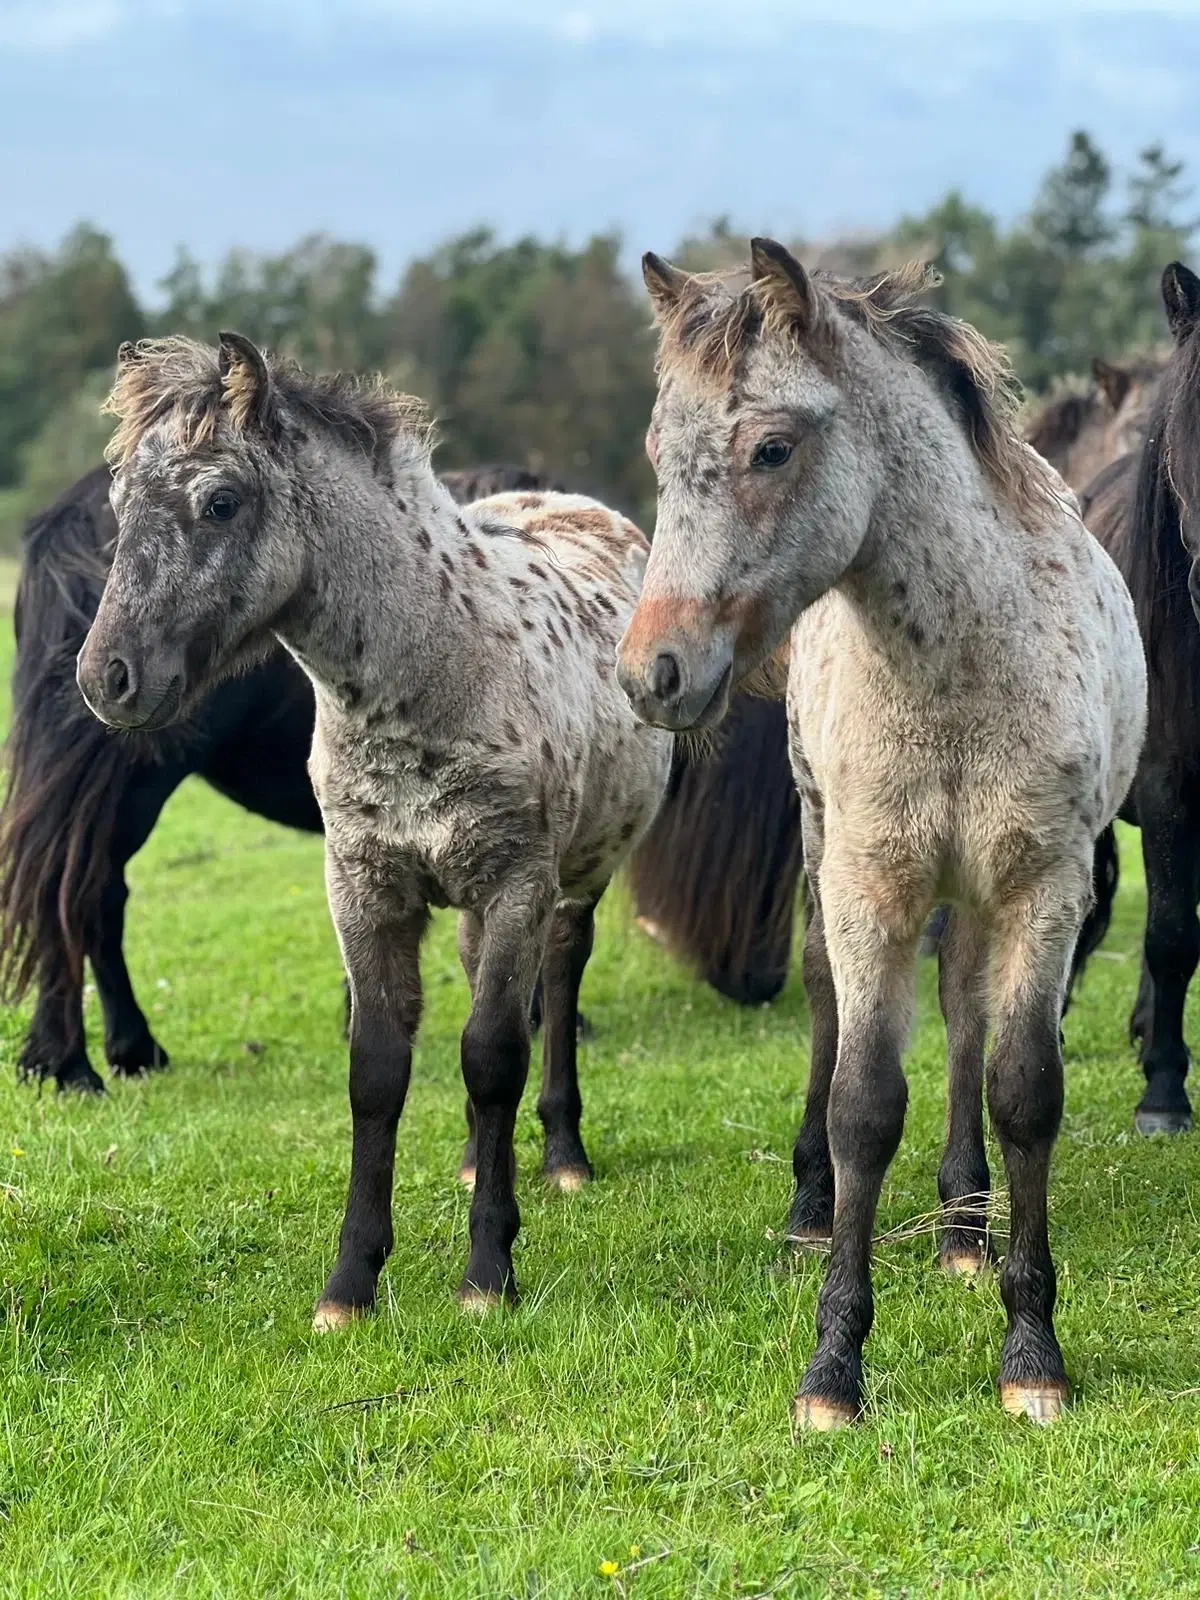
172 1426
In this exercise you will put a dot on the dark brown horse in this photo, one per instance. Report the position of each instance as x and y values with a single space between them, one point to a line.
719 869
1136 507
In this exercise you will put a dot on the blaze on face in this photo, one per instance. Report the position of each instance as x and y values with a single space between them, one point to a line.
203 562
765 484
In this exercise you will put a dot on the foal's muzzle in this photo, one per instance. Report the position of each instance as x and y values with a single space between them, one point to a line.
126 693
678 684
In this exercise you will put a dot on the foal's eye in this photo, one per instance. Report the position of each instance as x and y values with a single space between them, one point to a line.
772 453
223 506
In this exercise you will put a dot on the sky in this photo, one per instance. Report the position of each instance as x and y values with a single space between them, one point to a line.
213 123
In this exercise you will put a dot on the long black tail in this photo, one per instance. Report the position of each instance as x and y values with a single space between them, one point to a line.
718 870
1106 872
65 771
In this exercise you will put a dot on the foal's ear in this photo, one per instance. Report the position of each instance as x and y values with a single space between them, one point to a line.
664 282
1181 296
1113 381
775 266
245 380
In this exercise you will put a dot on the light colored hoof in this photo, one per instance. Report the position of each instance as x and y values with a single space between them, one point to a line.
1042 1403
1153 1124
478 1302
822 1416
466 1176
569 1179
328 1318
966 1264
652 930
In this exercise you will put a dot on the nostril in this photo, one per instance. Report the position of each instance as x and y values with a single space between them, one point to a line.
119 682
664 676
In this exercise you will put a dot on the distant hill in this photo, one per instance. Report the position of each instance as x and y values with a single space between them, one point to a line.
198 124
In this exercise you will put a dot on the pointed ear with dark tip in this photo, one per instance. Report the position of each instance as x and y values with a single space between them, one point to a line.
1113 382
771 262
245 380
1181 296
664 282
127 351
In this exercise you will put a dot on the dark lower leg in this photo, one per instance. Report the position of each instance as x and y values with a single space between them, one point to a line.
128 1042
867 1102
1025 1096
1172 950
811 1215
495 1062
385 1010
54 1046
963 1178
560 1105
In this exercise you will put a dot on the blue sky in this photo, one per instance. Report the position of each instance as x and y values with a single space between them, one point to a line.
218 122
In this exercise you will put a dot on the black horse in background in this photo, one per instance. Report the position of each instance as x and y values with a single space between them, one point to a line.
1134 508
718 870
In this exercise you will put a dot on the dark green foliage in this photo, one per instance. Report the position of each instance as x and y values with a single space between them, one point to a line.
540 353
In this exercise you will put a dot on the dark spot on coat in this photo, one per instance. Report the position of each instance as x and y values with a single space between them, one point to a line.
423 539
478 557
447 560
444 583
547 752
538 572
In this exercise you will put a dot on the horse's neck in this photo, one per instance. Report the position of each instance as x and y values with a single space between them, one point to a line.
939 556
378 621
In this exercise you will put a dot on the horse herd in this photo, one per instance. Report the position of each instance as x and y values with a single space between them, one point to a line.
928 681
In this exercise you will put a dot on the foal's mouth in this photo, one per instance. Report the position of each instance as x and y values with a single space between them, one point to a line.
164 711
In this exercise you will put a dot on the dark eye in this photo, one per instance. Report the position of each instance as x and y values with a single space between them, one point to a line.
223 506
772 453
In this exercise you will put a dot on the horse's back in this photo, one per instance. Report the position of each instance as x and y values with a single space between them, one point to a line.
580 533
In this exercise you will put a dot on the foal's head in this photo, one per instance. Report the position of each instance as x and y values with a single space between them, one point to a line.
770 455
215 521
1176 420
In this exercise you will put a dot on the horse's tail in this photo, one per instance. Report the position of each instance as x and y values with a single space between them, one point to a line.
64 770
1106 872
716 875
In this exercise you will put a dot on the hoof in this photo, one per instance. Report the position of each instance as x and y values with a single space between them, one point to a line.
1149 1123
330 1318
969 1264
1042 1403
136 1057
814 1415
569 1180
478 1302
466 1176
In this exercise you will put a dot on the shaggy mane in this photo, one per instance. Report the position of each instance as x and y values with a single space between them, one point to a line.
718 317
181 380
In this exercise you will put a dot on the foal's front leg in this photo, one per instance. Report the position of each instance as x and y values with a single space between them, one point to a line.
380 935
867 1100
495 1064
1031 957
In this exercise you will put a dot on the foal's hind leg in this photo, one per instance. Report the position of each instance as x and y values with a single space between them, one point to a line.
495 1062
811 1216
380 935
1031 956
559 1105
963 1178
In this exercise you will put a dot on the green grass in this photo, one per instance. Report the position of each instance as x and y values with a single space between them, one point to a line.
171 1426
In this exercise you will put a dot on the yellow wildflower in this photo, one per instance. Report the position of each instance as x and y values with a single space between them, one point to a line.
609 1569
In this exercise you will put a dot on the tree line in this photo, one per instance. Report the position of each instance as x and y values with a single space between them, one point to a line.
541 353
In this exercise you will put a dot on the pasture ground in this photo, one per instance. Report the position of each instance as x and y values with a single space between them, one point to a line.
170 1425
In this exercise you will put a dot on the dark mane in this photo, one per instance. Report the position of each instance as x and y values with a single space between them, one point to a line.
718 317
1133 509
181 380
